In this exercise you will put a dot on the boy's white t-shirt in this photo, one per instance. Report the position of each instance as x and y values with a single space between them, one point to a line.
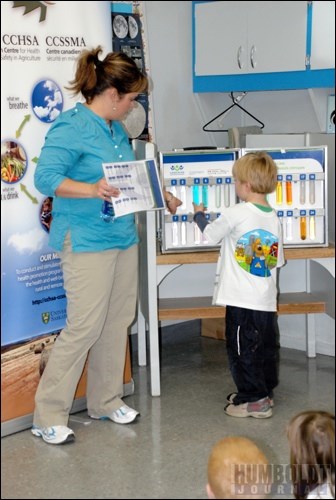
251 251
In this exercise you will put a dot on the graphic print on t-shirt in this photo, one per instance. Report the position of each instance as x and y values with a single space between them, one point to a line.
257 252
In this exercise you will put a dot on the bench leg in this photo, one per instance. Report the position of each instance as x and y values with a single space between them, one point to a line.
142 354
310 336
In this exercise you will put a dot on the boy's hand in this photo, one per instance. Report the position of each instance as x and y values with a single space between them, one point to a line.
198 208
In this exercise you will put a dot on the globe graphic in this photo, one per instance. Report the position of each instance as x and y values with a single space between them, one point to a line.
47 101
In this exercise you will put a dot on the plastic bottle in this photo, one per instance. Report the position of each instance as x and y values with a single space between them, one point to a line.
218 190
107 212
289 191
175 235
289 225
303 225
227 187
312 225
183 226
279 190
312 189
183 194
302 189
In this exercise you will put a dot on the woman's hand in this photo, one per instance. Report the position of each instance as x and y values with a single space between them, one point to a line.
105 191
172 202
75 189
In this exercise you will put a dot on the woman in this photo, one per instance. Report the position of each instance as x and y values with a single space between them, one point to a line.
99 259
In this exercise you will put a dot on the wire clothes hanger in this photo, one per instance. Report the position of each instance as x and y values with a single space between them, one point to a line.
235 101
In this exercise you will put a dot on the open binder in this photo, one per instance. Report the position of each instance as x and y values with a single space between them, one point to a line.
139 184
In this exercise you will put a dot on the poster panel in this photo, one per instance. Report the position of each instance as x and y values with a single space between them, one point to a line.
40 42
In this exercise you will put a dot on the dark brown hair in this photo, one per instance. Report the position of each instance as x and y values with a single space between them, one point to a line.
311 436
117 70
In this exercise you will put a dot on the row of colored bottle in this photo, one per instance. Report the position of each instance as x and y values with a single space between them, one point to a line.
307 224
220 195
184 233
284 189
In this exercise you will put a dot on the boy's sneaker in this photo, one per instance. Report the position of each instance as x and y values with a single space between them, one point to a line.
230 397
124 415
256 409
57 434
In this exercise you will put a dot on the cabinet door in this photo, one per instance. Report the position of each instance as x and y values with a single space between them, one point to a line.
323 36
277 34
220 38
241 37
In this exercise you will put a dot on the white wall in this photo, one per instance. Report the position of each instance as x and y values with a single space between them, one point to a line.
178 118
179 114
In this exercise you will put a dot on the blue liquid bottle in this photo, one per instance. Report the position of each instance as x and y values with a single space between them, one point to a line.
107 212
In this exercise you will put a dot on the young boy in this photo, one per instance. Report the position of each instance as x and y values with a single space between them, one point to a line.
246 283
237 468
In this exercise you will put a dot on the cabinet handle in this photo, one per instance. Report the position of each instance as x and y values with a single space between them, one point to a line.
239 57
252 54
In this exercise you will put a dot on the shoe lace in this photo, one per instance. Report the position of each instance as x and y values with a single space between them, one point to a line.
49 431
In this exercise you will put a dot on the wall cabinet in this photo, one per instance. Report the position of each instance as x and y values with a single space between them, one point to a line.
234 38
244 46
323 33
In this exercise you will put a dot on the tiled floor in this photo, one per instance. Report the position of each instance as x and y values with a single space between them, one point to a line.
164 454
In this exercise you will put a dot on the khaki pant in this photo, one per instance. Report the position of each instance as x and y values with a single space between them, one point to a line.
101 291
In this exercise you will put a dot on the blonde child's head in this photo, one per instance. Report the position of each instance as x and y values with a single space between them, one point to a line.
237 468
257 169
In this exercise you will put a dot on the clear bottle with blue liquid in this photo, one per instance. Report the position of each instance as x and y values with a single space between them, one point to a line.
107 211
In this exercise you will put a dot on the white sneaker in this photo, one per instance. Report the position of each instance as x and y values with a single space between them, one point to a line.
56 434
124 415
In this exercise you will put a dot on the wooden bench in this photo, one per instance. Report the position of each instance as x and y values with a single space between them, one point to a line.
188 308
201 308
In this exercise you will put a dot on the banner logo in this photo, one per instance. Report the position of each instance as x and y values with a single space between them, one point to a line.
45 317
31 6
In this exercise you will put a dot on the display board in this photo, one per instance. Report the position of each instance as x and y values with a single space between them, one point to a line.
300 198
205 176
40 42
201 176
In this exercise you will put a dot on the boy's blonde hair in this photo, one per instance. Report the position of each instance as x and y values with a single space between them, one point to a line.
237 468
257 169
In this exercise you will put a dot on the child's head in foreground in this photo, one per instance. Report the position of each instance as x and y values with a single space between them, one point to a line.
237 468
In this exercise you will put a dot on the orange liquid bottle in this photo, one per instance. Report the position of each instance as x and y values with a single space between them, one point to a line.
289 192
303 225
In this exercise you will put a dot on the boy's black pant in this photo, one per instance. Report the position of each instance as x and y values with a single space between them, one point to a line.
253 348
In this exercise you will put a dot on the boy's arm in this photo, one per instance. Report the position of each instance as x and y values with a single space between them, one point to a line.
199 217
